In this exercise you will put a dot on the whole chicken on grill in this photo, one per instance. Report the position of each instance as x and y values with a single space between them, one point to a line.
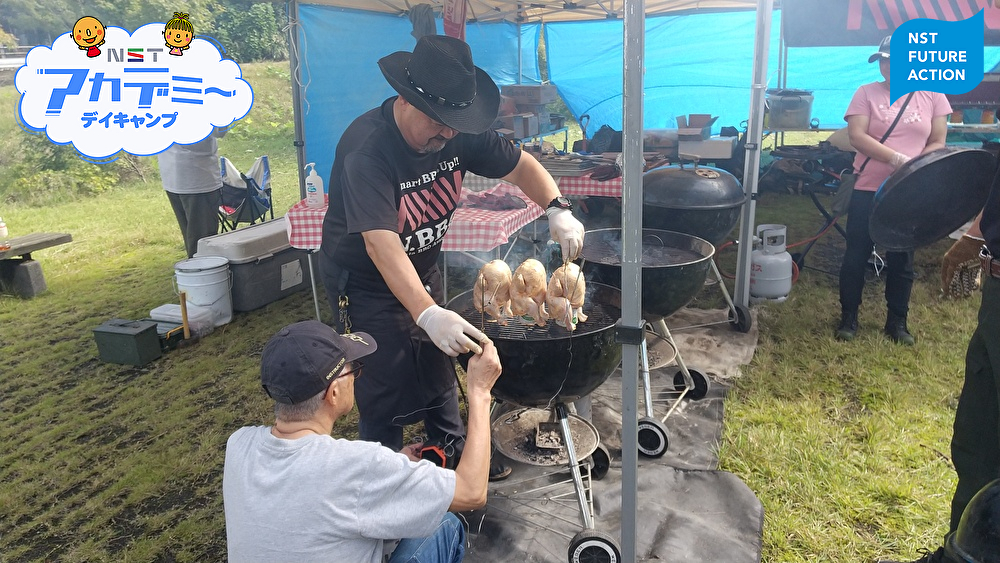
492 291
527 292
564 296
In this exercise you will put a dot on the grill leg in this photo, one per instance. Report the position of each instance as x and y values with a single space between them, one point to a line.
647 393
660 327
574 466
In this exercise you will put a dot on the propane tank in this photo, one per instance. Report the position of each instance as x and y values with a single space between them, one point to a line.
770 265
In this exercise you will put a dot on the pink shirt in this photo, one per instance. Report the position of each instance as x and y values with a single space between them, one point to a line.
909 136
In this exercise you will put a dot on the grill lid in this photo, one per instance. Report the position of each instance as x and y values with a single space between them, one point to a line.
930 196
691 187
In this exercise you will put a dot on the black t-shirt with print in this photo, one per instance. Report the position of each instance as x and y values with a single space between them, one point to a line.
379 182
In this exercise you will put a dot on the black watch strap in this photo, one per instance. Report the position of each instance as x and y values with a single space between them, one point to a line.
560 202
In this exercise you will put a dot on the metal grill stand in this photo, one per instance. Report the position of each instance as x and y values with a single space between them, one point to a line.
589 544
653 439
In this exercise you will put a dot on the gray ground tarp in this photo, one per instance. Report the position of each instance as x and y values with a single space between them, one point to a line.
688 510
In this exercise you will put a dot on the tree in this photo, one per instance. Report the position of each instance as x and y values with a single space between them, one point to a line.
37 22
253 33
248 30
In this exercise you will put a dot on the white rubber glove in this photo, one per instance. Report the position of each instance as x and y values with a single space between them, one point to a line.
566 230
449 331
898 159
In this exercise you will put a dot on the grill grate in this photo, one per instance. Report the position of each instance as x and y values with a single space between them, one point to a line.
655 253
600 315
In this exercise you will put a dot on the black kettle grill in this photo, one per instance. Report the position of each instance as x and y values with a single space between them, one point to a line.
702 201
696 200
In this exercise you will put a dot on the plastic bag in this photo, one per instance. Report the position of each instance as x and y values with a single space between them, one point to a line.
842 199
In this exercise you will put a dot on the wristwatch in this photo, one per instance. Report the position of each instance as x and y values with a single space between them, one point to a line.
560 202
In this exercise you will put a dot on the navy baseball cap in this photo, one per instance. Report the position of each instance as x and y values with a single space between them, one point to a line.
301 360
883 50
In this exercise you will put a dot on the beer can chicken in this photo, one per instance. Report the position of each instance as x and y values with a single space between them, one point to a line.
527 292
564 296
491 293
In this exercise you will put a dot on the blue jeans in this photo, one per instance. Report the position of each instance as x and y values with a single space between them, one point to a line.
445 545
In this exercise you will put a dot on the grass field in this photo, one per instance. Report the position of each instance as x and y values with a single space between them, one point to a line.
846 444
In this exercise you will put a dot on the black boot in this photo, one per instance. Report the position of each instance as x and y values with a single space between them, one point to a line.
848 325
895 329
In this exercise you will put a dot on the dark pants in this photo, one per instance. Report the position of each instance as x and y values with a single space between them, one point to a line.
197 215
898 265
408 379
975 445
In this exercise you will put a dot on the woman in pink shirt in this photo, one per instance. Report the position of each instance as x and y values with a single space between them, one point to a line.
922 128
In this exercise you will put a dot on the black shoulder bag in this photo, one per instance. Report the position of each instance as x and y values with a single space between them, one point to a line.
842 199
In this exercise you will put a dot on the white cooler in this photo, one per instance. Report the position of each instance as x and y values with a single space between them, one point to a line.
265 267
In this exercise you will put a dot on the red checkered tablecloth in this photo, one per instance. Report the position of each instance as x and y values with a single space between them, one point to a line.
586 186
482 230
471 229
305 225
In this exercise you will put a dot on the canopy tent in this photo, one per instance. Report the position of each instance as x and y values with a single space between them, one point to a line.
519 11
702 56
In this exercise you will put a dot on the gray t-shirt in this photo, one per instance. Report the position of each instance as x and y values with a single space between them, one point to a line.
323 499
194 168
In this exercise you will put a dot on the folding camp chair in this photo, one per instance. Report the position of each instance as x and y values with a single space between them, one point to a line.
246 198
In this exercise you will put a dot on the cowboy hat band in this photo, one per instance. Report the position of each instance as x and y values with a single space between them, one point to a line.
440 80
438 99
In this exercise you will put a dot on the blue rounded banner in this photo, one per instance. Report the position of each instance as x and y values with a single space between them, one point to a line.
936 56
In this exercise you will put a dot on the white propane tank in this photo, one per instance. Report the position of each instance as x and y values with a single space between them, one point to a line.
770 266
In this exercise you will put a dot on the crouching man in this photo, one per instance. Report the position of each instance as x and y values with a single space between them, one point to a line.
292 492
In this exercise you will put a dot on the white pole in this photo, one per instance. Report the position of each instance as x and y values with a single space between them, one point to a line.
753 145
631 329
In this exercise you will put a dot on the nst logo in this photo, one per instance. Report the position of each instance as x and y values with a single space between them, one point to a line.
936 56
134 54
135 98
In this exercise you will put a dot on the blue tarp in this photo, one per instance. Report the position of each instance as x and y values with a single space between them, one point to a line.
699 63
339 51
695 63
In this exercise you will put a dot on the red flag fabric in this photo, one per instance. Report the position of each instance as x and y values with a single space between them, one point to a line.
454 18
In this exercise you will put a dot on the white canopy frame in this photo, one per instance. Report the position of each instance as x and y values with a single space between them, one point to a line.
633 13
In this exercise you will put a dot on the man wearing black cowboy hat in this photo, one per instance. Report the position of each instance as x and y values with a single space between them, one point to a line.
396 180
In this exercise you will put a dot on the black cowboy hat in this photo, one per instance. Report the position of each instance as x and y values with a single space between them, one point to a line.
439 79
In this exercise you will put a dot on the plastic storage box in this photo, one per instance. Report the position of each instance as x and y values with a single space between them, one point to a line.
789 109
120 341
264 266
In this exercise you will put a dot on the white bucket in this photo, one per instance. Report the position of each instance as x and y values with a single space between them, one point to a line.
207 281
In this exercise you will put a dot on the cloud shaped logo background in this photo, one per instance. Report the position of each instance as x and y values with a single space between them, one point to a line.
133 97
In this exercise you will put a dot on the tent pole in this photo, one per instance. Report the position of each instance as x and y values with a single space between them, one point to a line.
293 61
631 323
782 77
751 170
300 151
520 60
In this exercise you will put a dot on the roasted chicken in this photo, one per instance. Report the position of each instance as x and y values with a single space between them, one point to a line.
564 296
527 292
492 291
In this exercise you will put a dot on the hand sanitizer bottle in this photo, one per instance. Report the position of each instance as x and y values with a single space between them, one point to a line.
314 187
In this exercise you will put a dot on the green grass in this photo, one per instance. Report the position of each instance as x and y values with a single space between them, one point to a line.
846 444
